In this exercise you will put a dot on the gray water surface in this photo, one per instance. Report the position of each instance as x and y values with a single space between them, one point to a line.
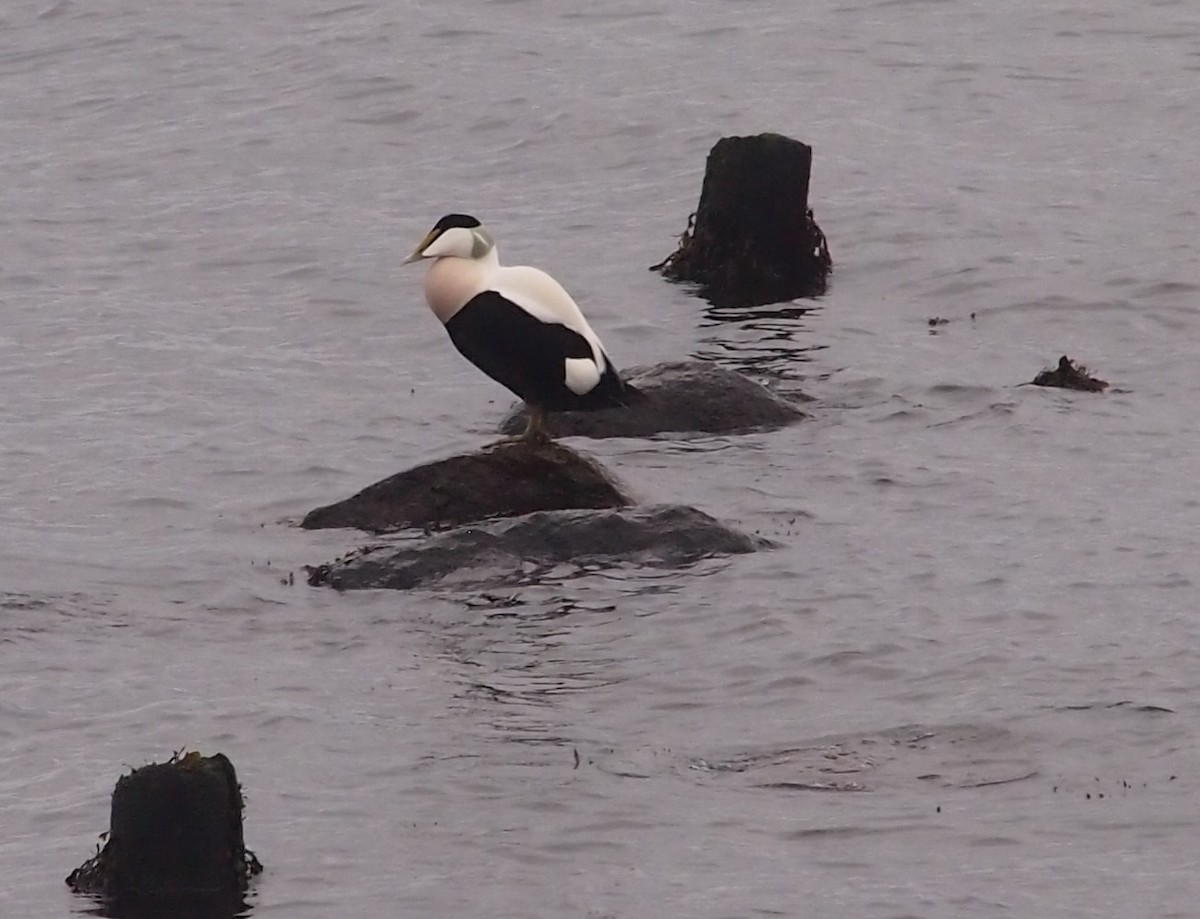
966 684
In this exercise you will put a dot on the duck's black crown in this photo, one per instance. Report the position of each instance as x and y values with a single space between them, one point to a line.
457 220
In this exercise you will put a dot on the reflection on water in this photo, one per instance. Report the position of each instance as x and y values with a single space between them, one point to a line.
766 341
521 658
191 907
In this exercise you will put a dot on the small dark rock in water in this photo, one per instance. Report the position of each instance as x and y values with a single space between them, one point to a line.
680 396
505 479
1069 375
753 239
503 551
175 832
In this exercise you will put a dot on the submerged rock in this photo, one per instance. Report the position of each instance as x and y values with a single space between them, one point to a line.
893 759
1070 375
679 396
506 479
508 551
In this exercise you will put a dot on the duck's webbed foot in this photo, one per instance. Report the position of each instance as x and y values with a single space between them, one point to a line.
535 430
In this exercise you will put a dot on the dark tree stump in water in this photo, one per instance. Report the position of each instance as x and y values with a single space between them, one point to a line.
1070 375
175 832
506 479
754 240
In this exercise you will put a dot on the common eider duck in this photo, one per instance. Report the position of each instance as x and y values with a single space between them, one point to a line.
516 324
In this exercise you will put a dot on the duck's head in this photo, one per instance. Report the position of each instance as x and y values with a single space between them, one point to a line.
456 236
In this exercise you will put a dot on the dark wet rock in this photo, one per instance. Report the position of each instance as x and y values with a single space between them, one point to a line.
680 396
515 550
175 831
753 239
1070 375
505 479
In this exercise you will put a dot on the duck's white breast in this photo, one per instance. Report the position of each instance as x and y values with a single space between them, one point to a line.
450 284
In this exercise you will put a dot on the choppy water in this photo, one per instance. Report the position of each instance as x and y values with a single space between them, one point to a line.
206 332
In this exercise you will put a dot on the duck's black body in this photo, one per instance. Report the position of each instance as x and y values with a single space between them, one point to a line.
525 354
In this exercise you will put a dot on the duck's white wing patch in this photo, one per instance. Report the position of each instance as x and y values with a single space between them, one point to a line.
582 375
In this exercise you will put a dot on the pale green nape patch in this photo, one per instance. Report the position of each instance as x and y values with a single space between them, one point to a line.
481 242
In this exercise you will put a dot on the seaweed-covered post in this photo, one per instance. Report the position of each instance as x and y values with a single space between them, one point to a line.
175 832
753 239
